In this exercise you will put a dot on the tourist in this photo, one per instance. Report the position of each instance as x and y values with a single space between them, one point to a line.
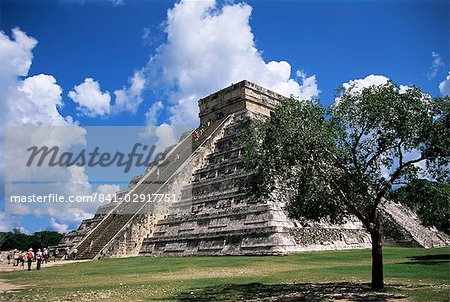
45 254
56 254
9 256
39 257
74 253
66 256
21 259
30 257
16 258
196 135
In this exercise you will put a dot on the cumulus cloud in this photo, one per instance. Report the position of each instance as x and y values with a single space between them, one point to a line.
63 221
209 47
436 65
370 80
91 100
357 85
166 136
31 101
9 222
59 227
444 86
129 98
15 54
309 88
34 101
151 115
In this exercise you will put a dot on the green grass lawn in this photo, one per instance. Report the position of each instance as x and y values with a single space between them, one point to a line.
420 274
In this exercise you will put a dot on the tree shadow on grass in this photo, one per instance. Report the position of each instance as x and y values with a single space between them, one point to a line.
288 293
429 259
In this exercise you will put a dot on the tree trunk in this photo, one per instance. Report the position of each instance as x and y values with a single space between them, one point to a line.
377 261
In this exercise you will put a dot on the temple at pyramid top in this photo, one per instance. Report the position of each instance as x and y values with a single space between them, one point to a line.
234 98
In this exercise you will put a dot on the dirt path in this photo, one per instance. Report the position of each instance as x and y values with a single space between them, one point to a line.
8 268
6 286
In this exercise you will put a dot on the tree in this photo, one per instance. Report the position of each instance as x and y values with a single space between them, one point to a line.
18 240
430 200
344 160
45 239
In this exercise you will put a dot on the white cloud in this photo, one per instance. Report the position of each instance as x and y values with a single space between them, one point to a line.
129 98
32 101
370 80
151 115
9 222
403 88
145 34
83 2
444 86
207 49
15 53
35 101
436 65
92 101
166 136
107 189
59 227
117 2
309 88
15 58
357 85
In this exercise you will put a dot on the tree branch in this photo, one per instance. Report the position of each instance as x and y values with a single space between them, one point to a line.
352 208
394 177
355 145
400 153
376 155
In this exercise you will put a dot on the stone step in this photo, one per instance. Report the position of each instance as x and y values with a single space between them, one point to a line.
408 222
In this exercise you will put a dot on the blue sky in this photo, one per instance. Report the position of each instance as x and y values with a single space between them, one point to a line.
128 45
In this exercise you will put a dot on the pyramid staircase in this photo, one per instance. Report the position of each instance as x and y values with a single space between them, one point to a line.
119 216
213 212
156 180
403 227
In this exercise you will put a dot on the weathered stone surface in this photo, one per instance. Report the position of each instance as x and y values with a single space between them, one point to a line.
402 227
214 216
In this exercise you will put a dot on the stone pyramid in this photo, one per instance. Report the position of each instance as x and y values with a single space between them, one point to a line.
213 215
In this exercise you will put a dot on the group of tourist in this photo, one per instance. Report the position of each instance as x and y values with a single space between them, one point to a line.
18 258
199 132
